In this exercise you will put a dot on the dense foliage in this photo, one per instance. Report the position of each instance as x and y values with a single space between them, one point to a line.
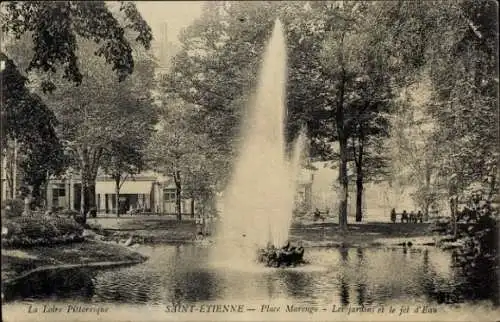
40 230
27 120
345 77
55 26
478 259
12 208
52 41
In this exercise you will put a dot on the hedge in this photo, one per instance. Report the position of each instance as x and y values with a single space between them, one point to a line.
40 230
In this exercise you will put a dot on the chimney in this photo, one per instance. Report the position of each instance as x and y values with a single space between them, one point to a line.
164 52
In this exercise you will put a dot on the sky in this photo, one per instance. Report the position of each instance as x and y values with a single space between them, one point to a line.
177 15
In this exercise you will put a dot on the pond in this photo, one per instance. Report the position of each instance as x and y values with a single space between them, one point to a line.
183 273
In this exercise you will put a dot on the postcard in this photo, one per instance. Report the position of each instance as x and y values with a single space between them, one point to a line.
249 161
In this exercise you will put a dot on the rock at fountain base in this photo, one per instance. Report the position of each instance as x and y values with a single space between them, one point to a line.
281 257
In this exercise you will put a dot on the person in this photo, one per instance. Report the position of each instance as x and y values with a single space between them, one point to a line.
413 217
199 235
393 215
317 215
420 216
199 225
404 216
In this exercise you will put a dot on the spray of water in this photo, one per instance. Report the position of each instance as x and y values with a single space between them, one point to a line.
259 201
299 154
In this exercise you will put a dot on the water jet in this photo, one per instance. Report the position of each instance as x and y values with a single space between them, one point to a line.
259 200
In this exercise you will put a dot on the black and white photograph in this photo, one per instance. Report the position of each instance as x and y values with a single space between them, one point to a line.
249 160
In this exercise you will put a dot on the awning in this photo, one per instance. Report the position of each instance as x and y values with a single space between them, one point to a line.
128 187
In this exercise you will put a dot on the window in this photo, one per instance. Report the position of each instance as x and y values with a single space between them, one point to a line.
58 190
168 195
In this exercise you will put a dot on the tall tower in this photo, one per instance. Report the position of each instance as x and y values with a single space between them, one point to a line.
164 52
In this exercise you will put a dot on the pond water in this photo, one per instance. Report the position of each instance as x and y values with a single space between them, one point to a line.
183 273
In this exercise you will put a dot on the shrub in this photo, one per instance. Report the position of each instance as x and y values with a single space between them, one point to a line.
40 230
75 215
13 208
478 258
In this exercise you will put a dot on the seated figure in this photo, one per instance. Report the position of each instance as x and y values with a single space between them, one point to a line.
285 256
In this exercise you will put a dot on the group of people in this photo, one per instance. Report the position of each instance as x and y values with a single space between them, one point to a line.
406 217
285 256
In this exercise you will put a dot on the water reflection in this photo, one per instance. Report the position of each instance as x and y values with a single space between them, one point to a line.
77 284
180 274
297 284
361 286
344 283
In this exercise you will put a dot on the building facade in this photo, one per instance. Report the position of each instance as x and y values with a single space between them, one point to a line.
146 192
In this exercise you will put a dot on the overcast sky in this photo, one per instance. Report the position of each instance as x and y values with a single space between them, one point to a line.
177 15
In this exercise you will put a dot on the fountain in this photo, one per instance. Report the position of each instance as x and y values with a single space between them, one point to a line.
259 201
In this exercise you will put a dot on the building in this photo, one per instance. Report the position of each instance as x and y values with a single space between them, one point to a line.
146 192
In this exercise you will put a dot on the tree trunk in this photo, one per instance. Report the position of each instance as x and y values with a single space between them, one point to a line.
84 178
14 171
192 207
453 208
359 180
492 189
427 205
3 172
359 199
178 194
47 187
344 186
427 191
37 193
117 192
91 195
342 136
82 198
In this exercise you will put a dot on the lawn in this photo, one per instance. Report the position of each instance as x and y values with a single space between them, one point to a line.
158 229
16 261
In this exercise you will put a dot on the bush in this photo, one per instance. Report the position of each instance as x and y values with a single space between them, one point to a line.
40 230
478 258
75 215
13 208
68 213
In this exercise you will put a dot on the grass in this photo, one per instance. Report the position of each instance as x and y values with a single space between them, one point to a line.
17 262
362 234
157 229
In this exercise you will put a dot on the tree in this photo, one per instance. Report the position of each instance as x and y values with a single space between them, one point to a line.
176 151
27 120
57 28
344 74
54 27
414 153
370 101
464 102
100 111
121 160
356 63
461 67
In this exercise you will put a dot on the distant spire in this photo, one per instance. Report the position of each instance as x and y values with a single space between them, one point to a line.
163 39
